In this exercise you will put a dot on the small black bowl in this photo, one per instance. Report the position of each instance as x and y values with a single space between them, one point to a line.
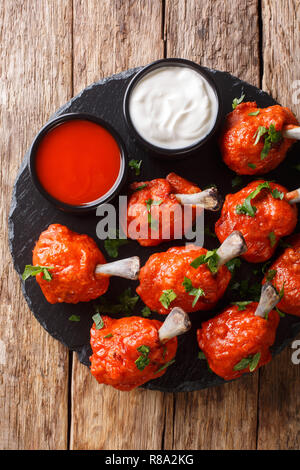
114 191
161 151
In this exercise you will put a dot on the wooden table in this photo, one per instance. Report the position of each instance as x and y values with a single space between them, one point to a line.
50 50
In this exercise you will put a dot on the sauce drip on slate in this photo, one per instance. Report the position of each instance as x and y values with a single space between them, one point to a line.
77 162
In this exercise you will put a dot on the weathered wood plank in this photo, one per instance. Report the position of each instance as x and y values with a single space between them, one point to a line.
216 34
213 34
110 37
35 71
279 401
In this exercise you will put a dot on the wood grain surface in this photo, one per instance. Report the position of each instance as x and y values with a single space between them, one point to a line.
50 50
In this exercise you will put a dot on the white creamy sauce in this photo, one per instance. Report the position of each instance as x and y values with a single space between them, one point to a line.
173 107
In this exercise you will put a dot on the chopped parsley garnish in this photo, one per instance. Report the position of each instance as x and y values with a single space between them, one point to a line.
201 355
146 312
251 165
209 233
34 270
247 208
277 194
167 297
126 304
167 364
135 165
254 113
149 204
143 186
112 244
242 305
280 313
143 360
108 336
233 264
195 291
271 136
271 274
74 318
250 361
236 181
211 258
237 101
99 323
272 238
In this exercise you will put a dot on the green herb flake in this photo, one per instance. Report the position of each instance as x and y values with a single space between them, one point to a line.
237 101
34 270
74 318
271 137
250 361
146 312
201 355
277 194
211 258
254 362
233 264
136 165
143 360
242 305
139 188
163 367
99 323
280 313
261 130
108 336
209 233
126 304
271 274
272 238
246 208
167 297
236 181
254 113
113 243
197 292
251 165
149 204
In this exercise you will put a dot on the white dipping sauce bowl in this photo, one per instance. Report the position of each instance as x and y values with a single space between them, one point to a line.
172 107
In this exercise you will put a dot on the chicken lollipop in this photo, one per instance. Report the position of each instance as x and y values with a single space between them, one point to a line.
69 267
263 212
133 350
154 212
238 339
285 275
189 277
255 140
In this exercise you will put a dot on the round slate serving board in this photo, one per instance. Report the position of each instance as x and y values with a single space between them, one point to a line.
30 214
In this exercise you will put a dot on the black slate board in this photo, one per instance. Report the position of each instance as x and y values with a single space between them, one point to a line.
30 214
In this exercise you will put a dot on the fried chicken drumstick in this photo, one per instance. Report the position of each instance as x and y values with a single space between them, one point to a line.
130 351
256 140
69 267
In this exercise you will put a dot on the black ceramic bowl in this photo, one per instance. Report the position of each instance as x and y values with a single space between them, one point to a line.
161 151
114 191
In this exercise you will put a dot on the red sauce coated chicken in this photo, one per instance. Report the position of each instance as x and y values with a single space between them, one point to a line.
157 196
168 279
262 214
285 273
128 352
254 144
73 258
236 342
